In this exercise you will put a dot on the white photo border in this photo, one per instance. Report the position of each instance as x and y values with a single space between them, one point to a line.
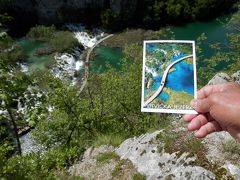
177 111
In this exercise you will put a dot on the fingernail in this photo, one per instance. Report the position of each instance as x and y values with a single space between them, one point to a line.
194 103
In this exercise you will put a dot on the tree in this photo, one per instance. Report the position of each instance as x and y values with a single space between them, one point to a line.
226 57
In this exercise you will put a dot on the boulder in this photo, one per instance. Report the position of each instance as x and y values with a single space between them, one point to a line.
236 77
219 79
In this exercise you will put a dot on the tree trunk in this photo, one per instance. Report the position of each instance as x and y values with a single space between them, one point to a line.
15 130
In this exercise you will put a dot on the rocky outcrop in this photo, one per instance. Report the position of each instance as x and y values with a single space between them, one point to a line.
58 11
219 79
236 77
143 153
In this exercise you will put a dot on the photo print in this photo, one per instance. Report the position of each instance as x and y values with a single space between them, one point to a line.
169 81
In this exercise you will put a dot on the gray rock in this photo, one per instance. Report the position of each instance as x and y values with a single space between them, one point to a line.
233 170
236 77
143 152
219 79
89 169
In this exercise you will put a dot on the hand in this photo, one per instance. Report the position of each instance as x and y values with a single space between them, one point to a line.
219 110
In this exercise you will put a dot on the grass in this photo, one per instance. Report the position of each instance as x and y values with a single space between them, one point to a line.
110 139
231 146
118 168
106 157
138 176
123 170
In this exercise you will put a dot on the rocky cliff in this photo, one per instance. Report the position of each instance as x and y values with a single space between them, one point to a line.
58 11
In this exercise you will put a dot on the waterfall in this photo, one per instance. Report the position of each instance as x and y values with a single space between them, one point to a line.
83 37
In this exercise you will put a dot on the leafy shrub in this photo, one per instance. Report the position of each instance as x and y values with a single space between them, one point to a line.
63 41
110 139
5 41
39 166
41 33
14 55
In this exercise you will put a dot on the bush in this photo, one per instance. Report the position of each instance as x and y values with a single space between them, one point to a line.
5 41
63 41
39 166
14 55
41 33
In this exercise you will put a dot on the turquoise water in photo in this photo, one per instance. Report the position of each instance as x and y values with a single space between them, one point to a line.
182 79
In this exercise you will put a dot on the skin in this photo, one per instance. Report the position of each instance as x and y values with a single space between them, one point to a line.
219 110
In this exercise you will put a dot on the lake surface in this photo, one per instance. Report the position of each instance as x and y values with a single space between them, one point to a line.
215 31
106 56
29 47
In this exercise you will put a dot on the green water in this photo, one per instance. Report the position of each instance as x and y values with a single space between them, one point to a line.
106 56
214 30
34 62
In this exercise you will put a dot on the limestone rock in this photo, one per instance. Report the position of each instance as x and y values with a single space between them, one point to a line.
233 170
219 79
236 77
143 152
88 168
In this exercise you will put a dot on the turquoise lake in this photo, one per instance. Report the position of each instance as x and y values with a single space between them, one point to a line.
182 79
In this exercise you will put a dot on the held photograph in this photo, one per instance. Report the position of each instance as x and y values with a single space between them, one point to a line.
169 81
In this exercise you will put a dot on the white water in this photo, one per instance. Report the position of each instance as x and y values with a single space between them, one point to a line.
69 64
83 37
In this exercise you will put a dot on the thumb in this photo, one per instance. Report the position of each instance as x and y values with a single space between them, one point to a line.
201 105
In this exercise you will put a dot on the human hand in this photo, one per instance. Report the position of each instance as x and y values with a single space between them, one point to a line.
219 110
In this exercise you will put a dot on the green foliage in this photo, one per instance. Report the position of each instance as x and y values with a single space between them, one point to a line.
118 168
13 55
41 33
10 53
226 60
39 166
109 18
4 17
5 41
106 157
63 41
138 176
231 146
110 139
60 41
151 13
180 142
